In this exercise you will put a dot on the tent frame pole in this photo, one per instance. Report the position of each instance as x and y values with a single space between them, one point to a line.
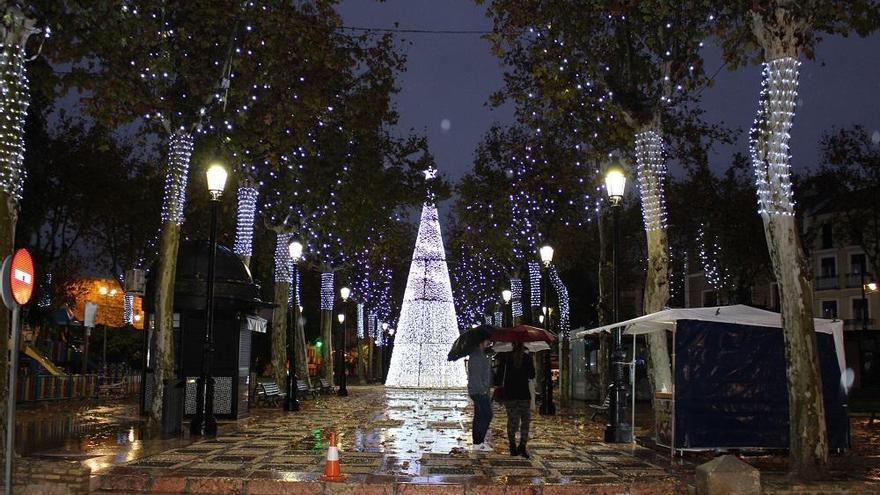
672 440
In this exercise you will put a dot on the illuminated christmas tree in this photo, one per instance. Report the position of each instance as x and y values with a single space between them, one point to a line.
427 326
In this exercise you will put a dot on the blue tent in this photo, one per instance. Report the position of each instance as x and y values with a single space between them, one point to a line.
729 379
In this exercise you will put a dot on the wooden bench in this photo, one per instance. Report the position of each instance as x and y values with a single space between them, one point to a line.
601 408
269 393
303 389
325 387
112 390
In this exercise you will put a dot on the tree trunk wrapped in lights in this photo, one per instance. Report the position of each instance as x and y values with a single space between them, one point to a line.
564 336
244 227
651 165
327 298
14 98
281 299
179 155
427 327
808 443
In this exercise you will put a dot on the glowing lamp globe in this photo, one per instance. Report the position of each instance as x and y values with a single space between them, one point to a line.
341 317
216 180
615 183
296 251
506 295
344 293
546 255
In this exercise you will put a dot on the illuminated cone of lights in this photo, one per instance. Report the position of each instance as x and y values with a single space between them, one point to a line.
427 326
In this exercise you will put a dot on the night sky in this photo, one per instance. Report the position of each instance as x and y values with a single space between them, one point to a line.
450 76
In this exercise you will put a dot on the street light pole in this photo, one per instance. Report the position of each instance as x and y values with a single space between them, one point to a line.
204 423
291 401
506 295
618 430
548 408
343 390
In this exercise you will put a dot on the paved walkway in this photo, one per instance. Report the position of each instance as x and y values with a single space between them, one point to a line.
395 441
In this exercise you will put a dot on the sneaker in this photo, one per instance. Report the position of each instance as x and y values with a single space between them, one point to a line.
482 447
522 451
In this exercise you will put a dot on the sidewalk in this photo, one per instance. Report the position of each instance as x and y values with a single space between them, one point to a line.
410 442
395 441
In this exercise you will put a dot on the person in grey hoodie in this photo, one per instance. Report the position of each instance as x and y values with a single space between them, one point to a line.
479 386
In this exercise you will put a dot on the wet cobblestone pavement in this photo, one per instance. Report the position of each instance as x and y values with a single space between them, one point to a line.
393 441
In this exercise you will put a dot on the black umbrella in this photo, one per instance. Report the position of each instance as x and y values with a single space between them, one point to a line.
468 341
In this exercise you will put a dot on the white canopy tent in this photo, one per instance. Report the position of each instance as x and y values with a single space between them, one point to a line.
739 314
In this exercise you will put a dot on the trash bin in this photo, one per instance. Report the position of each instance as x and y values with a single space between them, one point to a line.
172 410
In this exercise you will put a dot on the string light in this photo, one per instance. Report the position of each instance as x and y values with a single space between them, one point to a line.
327 295
716 275
14 100
770 135
283 263
475 276
181 148
128 309
534 284
360 320
651 165
427 327
516 297
244 227
562 299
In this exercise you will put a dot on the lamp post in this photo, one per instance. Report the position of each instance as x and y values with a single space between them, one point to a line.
547 407
618 429
204 423
506 295
291 401
343 391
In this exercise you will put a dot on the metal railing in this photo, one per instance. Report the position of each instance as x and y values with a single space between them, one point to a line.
858 323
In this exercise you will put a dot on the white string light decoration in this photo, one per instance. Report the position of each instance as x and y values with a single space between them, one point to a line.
179 156
716 275
244 227
516 297
534 284
14 100
327 295
651 166
427 327
360 320
562 299
371 325
768 144
297 289
499 318
282 260
128 309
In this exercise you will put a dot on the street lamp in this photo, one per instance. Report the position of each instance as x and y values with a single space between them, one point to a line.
618 429
343 391
547 407
204 423
291 401
506 296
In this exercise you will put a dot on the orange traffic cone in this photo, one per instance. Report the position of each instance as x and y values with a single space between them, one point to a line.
331 469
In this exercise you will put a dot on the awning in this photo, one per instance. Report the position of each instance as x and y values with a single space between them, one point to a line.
255 324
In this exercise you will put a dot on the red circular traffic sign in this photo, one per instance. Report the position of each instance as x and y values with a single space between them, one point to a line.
21 276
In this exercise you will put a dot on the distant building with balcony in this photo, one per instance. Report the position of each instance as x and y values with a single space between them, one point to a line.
840 272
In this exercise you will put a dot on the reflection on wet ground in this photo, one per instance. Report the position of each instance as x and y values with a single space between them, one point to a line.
392 436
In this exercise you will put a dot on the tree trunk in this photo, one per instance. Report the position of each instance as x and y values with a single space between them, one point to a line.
603 305
163 302
8 219
808 442
651 166
656 299
179 154
302 354
14 100
564 372
327 348
279 333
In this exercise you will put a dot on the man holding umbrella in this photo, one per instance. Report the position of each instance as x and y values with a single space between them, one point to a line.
473 343
479 385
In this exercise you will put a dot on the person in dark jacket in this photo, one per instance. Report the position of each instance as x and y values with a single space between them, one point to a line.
514 374
479 386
